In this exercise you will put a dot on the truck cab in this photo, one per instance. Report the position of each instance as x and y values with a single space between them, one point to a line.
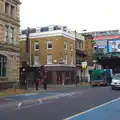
101 77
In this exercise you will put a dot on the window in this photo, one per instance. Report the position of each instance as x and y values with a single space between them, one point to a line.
3 66
36 60
65 59
6 33
49 59
36 46
11 35
71 46
6 8
12 11
65 45
71 59
44 29
49 44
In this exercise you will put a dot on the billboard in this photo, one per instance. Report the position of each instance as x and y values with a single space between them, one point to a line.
114 45
101 46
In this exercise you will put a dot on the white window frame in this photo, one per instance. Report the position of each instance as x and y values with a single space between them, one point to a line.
71 46
71 60
11 35
49 60
36 62
65 43
36 43
65 59
49 42
6 33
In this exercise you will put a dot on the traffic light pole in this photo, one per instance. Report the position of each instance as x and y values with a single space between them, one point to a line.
28 46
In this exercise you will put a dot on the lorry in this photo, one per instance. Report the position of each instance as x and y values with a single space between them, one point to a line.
101 77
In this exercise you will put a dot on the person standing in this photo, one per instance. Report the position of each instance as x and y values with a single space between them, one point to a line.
45 81
37 78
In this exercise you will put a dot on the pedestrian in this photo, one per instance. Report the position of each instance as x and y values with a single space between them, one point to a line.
37 78
77 80
37 83
45 82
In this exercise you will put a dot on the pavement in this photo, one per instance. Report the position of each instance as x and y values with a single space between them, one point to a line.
71 103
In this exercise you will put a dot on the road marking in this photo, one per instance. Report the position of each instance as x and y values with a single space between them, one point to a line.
9 99
70 118
19 105
29 106
40 101
56 97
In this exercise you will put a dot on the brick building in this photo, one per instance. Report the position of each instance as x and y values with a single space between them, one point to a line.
57 48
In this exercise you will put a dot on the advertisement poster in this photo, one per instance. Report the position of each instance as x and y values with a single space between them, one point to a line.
101 46
114 45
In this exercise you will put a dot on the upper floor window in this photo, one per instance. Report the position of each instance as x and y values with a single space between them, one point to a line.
71 46
11 35
49 44
36 46
6 8
6 33
12 11
49 59
65 45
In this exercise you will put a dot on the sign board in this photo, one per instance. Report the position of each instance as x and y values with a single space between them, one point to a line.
84 64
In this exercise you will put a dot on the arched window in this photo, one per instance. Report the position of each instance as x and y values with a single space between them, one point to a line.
3 66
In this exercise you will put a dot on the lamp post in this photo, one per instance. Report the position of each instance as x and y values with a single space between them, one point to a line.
28 46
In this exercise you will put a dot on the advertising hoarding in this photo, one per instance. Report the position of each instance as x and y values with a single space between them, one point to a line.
114 45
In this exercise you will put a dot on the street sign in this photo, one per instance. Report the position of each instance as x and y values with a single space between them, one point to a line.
84 65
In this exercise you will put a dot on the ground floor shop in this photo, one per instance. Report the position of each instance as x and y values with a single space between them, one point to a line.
56 74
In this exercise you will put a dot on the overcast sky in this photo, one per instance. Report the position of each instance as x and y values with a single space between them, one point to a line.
76 14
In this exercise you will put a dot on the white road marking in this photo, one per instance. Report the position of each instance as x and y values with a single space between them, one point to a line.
57 97
29 106
9 99
69 118
19 105
40 101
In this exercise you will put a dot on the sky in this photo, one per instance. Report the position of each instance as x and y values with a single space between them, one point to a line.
92 15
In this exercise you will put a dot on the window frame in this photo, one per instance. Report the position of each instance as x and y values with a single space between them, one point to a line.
11 35
49 42
65 59
71 59
6 33
71 47
3 66
36 60
65 43
36 43
49 59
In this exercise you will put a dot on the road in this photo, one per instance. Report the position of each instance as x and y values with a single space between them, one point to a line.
73 101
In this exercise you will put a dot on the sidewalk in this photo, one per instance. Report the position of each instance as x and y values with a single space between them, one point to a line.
10 92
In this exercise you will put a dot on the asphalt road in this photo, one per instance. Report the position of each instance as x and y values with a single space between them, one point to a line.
63 107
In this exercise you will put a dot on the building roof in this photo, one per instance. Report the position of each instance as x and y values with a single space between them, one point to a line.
49 31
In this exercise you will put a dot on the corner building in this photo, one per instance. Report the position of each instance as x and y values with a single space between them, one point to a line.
9 38
53 46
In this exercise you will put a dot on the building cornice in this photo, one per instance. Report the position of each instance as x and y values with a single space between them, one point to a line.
50 34
8 19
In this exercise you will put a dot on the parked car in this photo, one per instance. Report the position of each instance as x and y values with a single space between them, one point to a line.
115 84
